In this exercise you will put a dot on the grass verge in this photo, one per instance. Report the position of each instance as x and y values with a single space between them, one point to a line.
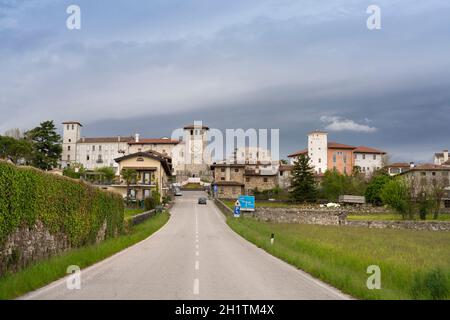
44 272
414 264
393 217
130 212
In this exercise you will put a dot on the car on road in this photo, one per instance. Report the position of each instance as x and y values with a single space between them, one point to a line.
178 192
202 200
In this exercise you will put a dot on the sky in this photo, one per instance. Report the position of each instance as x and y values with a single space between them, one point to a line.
293 65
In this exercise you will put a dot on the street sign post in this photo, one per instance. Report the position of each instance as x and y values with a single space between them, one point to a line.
237 209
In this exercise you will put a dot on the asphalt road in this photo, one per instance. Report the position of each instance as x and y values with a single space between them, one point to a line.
194 256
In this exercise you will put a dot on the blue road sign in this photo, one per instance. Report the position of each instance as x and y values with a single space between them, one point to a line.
215 188
237 211
247 203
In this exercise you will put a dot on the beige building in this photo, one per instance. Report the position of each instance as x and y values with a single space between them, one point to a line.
441 158
234 179
153 169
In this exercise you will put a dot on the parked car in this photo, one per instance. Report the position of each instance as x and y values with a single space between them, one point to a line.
178 192
202 200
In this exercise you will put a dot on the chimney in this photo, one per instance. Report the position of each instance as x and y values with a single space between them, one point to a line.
136 137
445 152
411 165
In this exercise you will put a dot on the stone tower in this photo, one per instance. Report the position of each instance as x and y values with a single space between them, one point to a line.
318 150
71 135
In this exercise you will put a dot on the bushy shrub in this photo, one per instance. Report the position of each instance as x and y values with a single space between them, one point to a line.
166 199
432 285
62 204
150 203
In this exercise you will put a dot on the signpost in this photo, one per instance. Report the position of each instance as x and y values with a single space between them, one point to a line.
247 203
237 209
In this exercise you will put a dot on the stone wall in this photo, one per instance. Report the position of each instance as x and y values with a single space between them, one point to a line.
298 215
27 245
409 225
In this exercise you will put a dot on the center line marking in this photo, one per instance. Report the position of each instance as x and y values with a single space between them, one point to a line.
197 253
197 265
196 286
196 246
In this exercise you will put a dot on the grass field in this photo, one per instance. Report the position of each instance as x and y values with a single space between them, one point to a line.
414 264
130 212
44 272
192 186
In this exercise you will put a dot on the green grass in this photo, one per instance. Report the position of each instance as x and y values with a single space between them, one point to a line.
130 212
46 271
192 186
409 260
392 217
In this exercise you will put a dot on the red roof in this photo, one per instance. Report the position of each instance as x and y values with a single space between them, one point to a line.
155 141
335 145
399 165
297 153
429 166
364 149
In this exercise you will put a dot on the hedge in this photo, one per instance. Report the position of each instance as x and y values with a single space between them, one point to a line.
62 204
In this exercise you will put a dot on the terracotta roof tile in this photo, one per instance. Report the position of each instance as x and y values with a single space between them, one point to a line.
364 149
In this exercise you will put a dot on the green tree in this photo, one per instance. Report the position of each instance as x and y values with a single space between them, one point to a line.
374 188
333 185
303 183
129 175
396 194
15 149
46 144
108 173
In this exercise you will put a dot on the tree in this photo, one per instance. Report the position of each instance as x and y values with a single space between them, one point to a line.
396 194
303 183
374 188
16 150
107 172
129 175
46 145
436 193
333 185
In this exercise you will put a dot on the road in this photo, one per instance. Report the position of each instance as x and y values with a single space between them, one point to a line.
194 256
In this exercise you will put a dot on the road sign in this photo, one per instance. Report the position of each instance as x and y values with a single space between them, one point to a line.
215 188
237 211
247 203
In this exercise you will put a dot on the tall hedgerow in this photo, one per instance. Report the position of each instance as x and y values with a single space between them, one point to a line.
62 204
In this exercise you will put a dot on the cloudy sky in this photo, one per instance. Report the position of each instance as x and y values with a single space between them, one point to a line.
297 65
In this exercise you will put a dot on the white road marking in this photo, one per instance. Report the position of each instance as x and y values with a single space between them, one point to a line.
197 253
197 265
196 246
196 286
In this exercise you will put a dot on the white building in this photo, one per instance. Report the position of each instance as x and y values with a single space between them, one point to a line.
190 156
441 158
368 159
318 150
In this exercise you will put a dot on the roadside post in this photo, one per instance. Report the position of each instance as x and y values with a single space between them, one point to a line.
237 209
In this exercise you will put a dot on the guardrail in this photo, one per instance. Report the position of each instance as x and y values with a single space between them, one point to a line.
223 207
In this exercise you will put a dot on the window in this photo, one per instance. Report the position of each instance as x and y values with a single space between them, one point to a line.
68 148
140 159
73 127
423 173
364 157
320 160
99 148
222 170
356 156
320 170
87 158
334 157
433 173
68 157
192 132
281 173
70 140
222 178
93 148
265 180
236 170
247 179
68 127
345 158
374 157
